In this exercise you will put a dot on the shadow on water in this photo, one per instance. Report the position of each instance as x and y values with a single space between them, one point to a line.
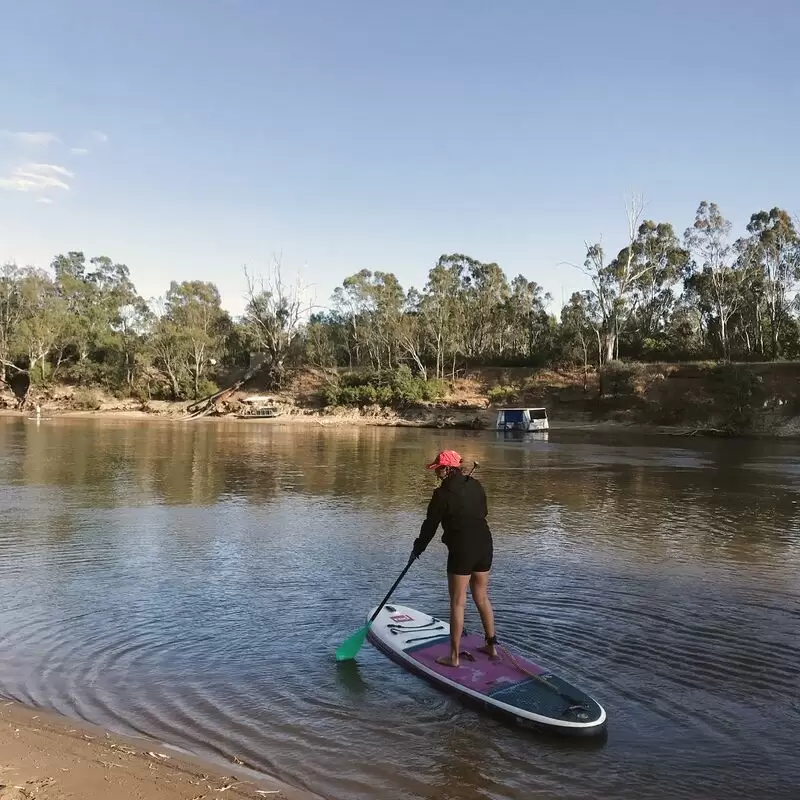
349 677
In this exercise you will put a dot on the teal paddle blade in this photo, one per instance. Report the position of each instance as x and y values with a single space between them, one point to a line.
349 647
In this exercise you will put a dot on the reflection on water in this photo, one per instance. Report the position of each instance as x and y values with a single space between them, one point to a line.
191 581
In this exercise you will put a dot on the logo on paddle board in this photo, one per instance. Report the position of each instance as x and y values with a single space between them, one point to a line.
402 618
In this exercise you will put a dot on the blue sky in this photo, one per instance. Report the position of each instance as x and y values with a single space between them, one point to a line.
187 138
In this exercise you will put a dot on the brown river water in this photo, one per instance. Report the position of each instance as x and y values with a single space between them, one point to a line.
191 582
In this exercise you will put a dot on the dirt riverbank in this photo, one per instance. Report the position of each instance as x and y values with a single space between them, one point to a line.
684 399
44 756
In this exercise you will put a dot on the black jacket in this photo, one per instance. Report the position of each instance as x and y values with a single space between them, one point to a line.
459 504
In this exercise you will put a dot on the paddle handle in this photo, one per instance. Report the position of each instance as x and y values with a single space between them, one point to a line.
389 593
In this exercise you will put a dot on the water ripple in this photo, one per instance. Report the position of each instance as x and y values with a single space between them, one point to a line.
192 586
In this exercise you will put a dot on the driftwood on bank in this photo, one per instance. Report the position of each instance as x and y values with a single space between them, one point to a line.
703 432
208 405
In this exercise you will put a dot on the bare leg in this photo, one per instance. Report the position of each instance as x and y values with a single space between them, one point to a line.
458 599
479 587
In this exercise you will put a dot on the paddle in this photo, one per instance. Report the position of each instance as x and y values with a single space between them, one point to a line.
575 702
350 647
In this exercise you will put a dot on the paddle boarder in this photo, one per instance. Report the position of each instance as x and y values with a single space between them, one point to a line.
459 505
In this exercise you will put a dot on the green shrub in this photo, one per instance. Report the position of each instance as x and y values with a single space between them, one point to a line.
382 387
206 387
86 400
740 392
501 394
619 378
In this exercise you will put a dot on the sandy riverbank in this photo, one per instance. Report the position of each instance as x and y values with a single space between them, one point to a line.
745 400
44 756
457 420
441 418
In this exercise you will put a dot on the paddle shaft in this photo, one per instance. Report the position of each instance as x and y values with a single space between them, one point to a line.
389 593
403 573
573 700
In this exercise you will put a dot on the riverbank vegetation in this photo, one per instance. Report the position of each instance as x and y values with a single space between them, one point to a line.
663 298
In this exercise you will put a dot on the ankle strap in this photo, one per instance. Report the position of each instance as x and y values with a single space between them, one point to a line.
491 640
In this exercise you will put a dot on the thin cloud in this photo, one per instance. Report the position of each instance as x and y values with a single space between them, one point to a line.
32 138
46 200
99 137
79 151
36 178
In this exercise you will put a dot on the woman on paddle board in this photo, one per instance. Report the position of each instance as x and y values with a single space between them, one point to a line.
459 505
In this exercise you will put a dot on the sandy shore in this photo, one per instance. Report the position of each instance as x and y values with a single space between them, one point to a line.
457 420
445 419
44 756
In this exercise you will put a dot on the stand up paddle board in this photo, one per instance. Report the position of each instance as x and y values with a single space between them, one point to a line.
511 685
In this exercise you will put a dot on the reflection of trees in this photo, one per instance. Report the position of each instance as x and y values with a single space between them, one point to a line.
699 498
134 463
638 501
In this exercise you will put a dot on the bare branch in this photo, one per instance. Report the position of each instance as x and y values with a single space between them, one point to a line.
275 315
634 211
10 365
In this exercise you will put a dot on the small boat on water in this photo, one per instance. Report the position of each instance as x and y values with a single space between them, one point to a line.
258 407
527 420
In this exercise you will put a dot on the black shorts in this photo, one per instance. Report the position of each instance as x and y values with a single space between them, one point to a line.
463 561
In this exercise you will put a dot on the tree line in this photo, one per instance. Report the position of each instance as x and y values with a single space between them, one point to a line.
702 295
83 322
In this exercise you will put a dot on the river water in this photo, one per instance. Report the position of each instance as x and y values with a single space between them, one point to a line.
192 581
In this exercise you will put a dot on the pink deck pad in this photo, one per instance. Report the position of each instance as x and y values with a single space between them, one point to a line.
483 675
